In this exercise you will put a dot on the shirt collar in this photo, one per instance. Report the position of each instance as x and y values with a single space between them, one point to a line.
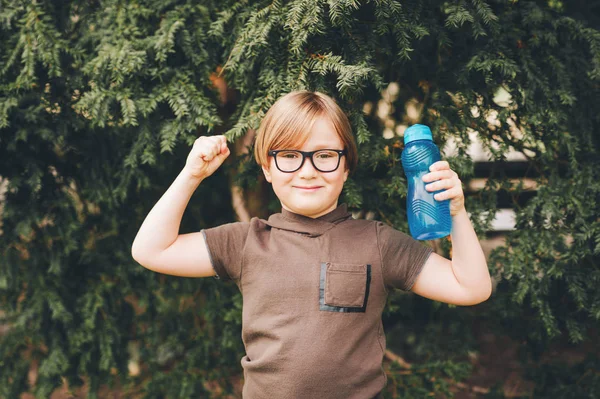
291 221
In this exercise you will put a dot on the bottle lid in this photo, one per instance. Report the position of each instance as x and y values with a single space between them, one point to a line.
417 132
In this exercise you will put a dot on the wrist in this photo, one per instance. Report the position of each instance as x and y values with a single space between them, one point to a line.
460 213
191 177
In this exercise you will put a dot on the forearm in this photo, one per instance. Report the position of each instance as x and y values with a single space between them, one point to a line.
468 260
161 227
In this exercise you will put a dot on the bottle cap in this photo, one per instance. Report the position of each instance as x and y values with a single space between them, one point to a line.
417 132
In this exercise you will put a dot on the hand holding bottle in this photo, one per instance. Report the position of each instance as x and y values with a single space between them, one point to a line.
444 178
207 154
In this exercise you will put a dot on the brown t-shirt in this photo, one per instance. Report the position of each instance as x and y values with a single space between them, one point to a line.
313 293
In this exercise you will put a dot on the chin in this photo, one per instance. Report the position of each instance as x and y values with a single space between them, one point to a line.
308 206
305 206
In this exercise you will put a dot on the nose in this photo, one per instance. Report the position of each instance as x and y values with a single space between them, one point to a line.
307 170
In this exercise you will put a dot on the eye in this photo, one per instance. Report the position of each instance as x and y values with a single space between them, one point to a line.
325 154
289 155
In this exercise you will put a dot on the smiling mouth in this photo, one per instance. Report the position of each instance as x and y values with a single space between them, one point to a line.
308 188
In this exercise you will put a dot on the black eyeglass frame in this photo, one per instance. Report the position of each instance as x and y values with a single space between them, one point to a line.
308 154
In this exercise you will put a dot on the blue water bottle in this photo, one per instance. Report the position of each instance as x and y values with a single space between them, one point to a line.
427 218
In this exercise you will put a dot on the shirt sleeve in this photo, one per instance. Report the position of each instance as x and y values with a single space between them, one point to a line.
402 257
225 246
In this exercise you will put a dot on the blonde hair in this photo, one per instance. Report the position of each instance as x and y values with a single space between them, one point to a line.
289 122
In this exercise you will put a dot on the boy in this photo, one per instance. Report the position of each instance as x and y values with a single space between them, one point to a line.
314 281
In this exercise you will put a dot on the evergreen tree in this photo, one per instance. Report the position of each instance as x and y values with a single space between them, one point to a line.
100 102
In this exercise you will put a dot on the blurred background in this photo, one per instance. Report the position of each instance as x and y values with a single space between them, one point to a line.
100 102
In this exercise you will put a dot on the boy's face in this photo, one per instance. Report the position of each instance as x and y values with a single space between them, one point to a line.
307 191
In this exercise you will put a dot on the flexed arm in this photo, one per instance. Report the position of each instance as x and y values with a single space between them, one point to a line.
158 246
464 280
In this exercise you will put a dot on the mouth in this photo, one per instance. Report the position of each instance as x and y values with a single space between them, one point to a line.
308 188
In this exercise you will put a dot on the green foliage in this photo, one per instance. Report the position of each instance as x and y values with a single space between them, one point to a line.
557 380
430 379
561 380
100 101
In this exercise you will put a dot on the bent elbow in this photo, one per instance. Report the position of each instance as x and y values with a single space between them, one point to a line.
137 254
489 289
484 294
134 252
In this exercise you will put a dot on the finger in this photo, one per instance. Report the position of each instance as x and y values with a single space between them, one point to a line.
223 148
203 144
218 139
439 165
448 194
215 147
208 153
206 157
219 143
224 154
437 175
441 185
213 140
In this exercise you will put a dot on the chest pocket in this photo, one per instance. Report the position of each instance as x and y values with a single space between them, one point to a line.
344 287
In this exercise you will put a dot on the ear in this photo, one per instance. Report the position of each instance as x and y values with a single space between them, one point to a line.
267 173
346 173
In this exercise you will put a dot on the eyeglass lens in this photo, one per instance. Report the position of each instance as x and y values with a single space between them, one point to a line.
325 160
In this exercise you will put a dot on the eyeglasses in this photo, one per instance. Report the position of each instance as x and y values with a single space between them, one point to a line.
325 161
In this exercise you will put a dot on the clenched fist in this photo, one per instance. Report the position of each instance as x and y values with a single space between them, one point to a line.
207 154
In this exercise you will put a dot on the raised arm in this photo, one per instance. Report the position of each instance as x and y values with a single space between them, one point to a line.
464 280
158 246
